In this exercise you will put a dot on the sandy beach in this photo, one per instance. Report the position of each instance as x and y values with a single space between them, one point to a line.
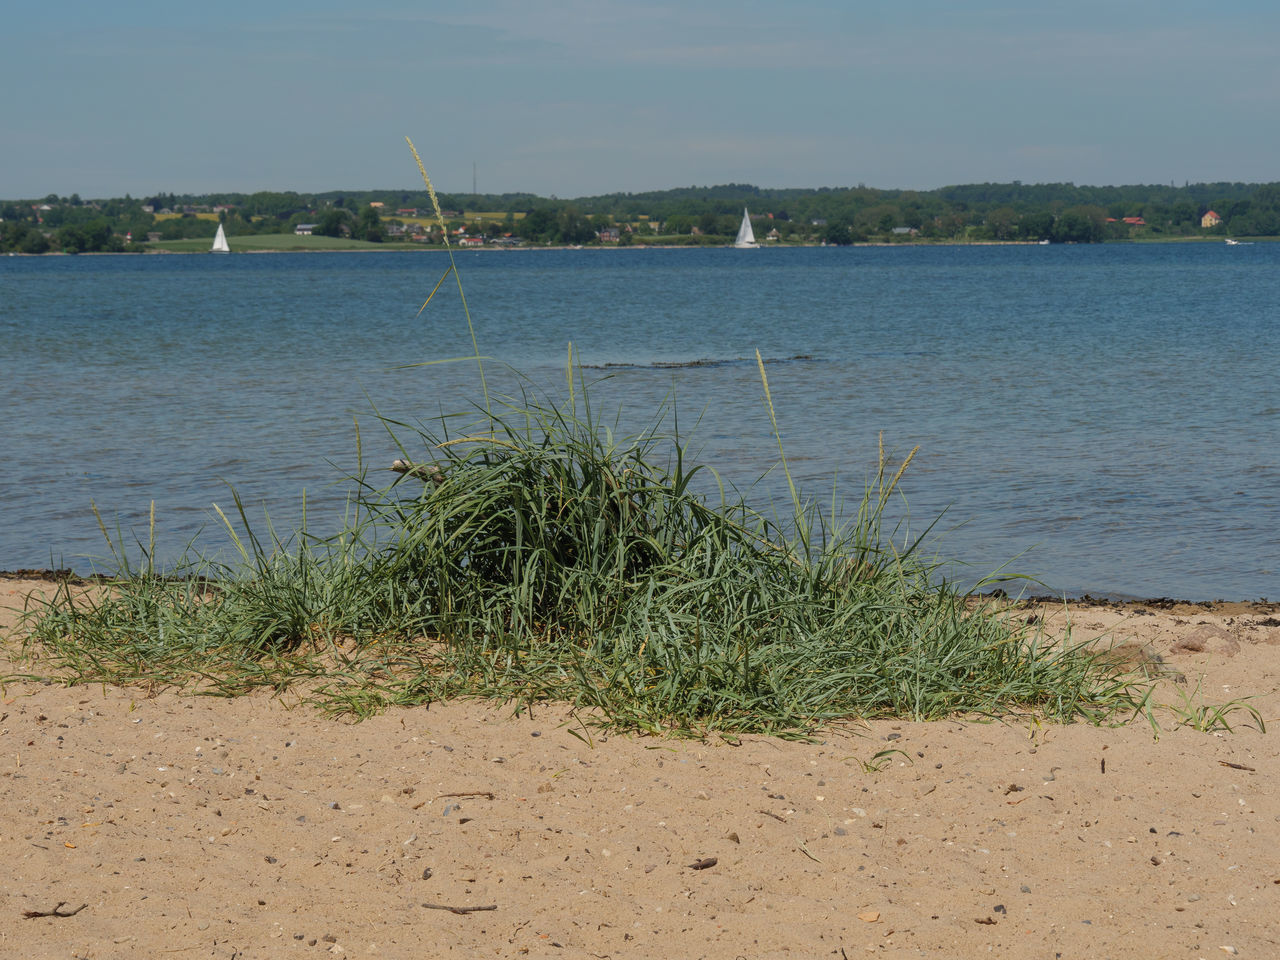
143 823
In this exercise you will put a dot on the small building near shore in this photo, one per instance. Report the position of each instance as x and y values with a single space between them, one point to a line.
1210 219
305 229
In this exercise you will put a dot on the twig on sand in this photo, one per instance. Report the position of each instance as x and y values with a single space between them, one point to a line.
805 850
476 793
55 912
464 910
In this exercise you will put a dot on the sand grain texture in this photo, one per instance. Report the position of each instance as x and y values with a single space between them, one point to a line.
192 826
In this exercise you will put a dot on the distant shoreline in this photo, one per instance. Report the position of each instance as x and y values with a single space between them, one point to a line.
407 248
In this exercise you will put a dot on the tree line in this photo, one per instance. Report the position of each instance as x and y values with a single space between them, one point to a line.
1060 212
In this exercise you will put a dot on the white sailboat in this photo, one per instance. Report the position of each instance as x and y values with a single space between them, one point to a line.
746 236
220 244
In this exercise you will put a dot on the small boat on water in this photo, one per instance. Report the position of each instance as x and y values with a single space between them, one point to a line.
746 239
220 244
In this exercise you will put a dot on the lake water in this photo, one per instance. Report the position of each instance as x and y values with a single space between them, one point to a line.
1107 415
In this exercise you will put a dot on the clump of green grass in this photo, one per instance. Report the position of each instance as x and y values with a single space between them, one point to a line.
544 558
1192 711
538 555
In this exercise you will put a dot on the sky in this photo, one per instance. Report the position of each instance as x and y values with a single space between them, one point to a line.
584 97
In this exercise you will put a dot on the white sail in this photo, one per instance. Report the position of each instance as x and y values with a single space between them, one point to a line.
220 244
746 236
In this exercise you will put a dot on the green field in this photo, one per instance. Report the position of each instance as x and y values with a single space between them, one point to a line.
277 242
470 216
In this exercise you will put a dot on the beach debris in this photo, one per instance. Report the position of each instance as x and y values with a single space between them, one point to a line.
476 793
774 815
1203 638
1236 766
1143 659
805 850
989 921
460 910
703 864
55 912
869 916
423 471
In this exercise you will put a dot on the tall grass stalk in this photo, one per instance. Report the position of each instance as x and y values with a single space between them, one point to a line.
453 266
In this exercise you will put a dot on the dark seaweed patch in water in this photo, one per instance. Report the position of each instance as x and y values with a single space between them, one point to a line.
704 362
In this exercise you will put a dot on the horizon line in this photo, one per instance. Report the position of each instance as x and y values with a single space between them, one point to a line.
718 186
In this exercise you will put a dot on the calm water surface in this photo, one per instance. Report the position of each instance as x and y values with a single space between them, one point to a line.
1106 417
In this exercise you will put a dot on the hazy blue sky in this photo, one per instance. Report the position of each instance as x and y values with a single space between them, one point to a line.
591 96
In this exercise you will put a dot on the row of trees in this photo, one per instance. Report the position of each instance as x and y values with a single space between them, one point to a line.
92 236
72 226
1000 212
365 225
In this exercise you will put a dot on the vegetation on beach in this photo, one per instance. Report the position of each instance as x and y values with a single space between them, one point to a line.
542 558
530 552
